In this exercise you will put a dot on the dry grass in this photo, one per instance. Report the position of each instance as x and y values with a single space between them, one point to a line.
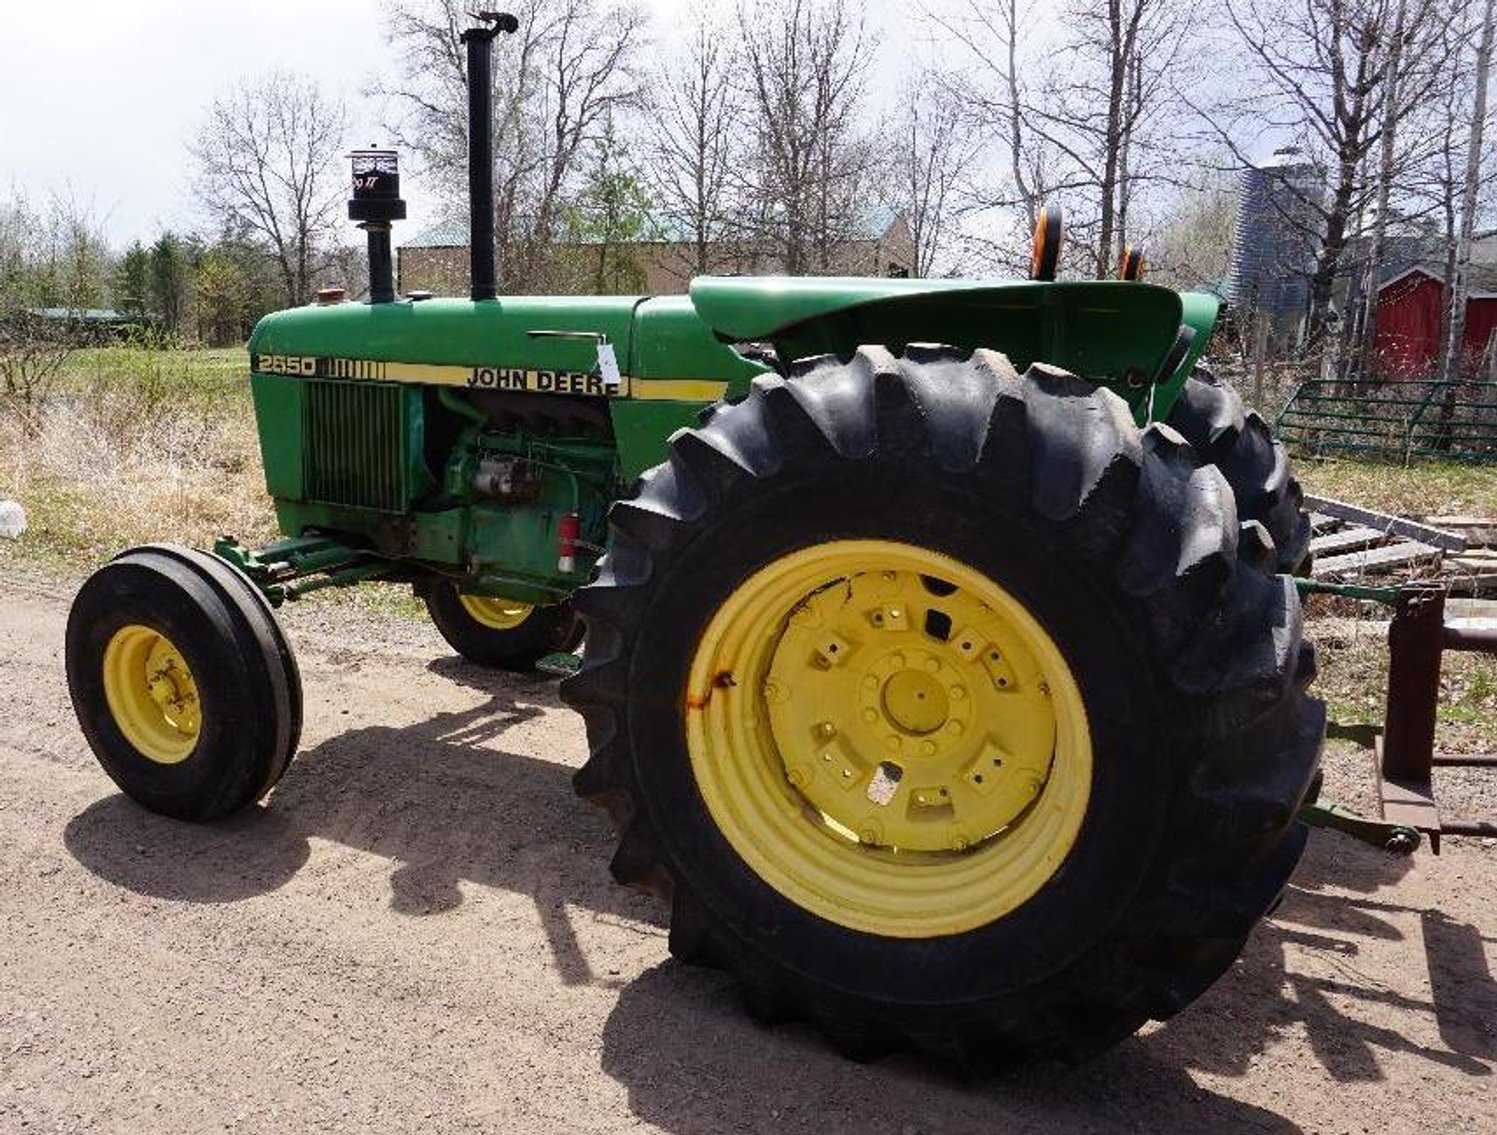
1353 655
1353 651
1430 488
138 446
135 446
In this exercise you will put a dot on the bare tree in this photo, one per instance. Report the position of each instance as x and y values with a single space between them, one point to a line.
805 173
693 141
557 81
1123 55
1335 75
50 258
994 91
1456 323
1193 248
1079 122
267 160
931 154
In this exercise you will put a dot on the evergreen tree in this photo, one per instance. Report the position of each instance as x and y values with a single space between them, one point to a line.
220 300
611 215
132 281
168 281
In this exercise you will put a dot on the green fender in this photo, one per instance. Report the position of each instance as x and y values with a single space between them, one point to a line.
1117 333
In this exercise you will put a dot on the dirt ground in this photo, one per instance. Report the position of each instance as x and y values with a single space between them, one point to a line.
418 932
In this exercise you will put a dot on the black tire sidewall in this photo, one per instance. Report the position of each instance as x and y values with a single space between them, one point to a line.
546 631
237 748
1104 643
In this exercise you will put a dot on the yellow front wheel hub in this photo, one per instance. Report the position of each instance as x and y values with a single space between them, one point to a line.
152 695
888 738
496 614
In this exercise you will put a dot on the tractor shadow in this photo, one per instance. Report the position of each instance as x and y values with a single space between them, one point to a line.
1301 969
442 800
693 1064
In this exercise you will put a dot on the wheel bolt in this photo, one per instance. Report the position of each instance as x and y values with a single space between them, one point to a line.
797 778
827 729
958 693
870 715
928 748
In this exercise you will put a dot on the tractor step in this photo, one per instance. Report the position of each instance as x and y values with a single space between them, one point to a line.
562 664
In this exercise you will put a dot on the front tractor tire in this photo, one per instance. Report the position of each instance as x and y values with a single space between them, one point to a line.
501 633
946 709
184 685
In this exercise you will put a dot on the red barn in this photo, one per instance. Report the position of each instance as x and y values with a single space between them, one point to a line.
1410 318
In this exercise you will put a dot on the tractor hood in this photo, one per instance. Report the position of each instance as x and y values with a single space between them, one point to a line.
555 332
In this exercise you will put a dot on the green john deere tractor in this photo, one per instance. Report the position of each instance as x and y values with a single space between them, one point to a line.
944 668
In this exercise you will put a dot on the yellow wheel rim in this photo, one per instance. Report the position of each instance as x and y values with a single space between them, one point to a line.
888 738
151 694
496 614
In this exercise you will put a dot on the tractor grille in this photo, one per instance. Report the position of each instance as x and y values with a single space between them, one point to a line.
354 444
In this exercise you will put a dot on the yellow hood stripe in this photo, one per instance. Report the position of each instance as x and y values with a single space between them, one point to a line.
529 380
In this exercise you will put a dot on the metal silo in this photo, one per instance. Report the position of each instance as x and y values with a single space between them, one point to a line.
1273 247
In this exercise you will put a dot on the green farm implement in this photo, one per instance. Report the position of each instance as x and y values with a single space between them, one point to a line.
943 666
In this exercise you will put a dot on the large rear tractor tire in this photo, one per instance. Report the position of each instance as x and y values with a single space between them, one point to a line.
502 633
1210 415
946 709
184 685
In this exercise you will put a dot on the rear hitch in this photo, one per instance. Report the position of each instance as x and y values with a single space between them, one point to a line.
1395 839
1405 757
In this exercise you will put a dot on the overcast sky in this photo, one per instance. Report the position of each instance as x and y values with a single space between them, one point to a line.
97 99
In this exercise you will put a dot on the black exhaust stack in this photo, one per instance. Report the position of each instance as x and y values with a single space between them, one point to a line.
374 204
479 42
